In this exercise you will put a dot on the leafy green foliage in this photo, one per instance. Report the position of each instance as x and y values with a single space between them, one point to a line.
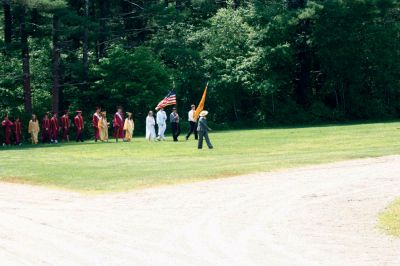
266 61
229 56
134 79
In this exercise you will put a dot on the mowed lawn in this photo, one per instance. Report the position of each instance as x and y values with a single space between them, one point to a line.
102 167
390 219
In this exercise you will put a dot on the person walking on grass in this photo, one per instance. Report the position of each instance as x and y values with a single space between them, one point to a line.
129 127
174 119
17 131
7 124
118 124
46 128
33 129
150 127
103 127
54 128
79 124
95 123
162 124
203 130
65 125
192 123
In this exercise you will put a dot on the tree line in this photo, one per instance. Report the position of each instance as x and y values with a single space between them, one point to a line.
267 61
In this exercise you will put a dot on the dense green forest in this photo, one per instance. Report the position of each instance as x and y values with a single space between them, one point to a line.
267 61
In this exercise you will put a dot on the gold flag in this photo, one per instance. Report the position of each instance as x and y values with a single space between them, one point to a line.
200 107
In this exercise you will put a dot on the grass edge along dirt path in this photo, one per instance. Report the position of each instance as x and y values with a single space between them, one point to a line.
107 167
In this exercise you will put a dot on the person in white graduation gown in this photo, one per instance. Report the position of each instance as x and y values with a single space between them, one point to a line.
150 127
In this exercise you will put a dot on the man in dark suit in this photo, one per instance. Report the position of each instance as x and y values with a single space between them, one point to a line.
203 129
174 119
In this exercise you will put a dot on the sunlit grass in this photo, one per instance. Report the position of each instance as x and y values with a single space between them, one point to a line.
100 167
390 219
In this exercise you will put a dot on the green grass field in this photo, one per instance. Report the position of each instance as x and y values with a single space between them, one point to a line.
390 219
101 167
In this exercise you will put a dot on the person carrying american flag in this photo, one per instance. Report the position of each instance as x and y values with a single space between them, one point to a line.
169 100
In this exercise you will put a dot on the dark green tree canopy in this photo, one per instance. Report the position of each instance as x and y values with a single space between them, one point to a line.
267 61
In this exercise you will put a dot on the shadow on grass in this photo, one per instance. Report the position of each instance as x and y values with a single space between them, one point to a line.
51 146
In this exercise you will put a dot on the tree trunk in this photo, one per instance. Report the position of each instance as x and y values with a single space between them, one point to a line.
134 22
182 4
294 4
303 91
235 109
221 3
25 61
101 44
179 4
56 66
236 4
304 59
7 22
273 103
85 55
336 99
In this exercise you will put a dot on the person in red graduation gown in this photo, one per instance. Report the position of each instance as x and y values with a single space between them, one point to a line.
7 125
17 131
118 124
46 128
78 121
65 125
54 128
95 123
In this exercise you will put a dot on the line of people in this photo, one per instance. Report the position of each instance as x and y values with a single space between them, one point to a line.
197 128
52 128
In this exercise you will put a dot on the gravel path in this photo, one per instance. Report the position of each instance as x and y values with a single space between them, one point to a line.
321 215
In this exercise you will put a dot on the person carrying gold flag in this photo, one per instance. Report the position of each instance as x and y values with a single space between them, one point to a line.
200 107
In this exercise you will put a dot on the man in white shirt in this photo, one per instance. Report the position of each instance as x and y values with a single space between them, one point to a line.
192 123
162 124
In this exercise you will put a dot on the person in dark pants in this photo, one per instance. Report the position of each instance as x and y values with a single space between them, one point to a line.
79 124
174 119
203 129
192 123
46 128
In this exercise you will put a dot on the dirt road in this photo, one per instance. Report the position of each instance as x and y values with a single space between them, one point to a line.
322 215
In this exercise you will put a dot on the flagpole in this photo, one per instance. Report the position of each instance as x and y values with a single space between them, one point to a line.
173 86
201 104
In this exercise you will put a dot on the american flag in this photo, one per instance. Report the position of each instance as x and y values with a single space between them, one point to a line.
170 99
